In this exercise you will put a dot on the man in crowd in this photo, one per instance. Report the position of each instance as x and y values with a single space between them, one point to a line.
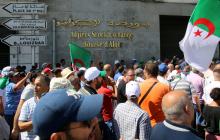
92 80
152 92
26 94
79 121
12 95
162 75
107 109
179 113
129 75
130 121
25 119
214 84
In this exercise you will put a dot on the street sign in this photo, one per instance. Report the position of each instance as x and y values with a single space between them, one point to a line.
26 24
25 40
26 8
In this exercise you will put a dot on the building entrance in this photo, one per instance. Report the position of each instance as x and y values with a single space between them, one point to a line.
4 49
172 30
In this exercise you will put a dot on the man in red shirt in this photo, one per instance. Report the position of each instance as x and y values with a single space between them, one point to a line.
107 108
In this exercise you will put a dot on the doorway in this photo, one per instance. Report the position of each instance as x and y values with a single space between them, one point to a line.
5 50
172 30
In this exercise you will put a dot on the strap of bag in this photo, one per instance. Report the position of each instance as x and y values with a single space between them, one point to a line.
147 93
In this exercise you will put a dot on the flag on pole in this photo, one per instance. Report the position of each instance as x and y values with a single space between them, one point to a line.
202 35
80 57
3 82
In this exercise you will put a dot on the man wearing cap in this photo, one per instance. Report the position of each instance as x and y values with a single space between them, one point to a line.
41 84
162 75
92 80
79 121
130 121
12 95
107 109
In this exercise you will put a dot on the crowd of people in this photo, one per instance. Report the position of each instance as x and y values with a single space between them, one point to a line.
148 101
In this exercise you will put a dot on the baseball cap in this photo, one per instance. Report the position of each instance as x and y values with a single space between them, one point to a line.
102 73
47 71
163 67
56 109
5 71
91 73
132 89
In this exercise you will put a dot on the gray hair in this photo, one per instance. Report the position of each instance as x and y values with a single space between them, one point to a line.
176 111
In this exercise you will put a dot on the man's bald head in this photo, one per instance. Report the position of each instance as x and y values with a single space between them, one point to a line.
108 69
177 107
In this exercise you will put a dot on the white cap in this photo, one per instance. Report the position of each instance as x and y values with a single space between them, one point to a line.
116 62
82 68
132 89
91 73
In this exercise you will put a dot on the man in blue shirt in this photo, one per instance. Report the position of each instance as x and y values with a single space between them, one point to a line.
12 95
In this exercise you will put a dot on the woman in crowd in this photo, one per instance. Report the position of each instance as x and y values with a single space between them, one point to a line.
212 116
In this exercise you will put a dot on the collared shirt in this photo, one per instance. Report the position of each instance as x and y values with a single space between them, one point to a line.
171 131
131 122
198 83
28 92
26 115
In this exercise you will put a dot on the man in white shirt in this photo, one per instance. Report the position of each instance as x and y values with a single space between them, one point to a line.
214 84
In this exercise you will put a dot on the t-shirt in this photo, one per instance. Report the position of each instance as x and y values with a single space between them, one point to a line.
170 131
26 115
107 108
212 118
28 92
12 99
152 103
121 97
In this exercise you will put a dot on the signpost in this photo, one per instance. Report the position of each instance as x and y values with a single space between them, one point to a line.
26 8
26 24
25 40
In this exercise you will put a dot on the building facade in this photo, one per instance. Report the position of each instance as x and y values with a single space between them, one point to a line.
110 29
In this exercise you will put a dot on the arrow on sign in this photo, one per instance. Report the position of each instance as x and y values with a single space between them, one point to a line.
25 40
26 8
26 24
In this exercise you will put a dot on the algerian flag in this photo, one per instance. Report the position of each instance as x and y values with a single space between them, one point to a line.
79 56
202 34
3 82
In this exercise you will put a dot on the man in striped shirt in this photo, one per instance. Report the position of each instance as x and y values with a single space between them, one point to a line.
25 119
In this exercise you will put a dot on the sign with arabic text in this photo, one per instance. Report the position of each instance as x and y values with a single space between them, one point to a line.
25 40
26 8
26 24
97 22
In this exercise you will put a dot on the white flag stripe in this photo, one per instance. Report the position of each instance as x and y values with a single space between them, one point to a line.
198 51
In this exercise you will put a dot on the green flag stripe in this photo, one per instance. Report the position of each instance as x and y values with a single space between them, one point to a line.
209 9
79 55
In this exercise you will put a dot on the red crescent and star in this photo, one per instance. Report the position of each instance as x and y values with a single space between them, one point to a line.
207 23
